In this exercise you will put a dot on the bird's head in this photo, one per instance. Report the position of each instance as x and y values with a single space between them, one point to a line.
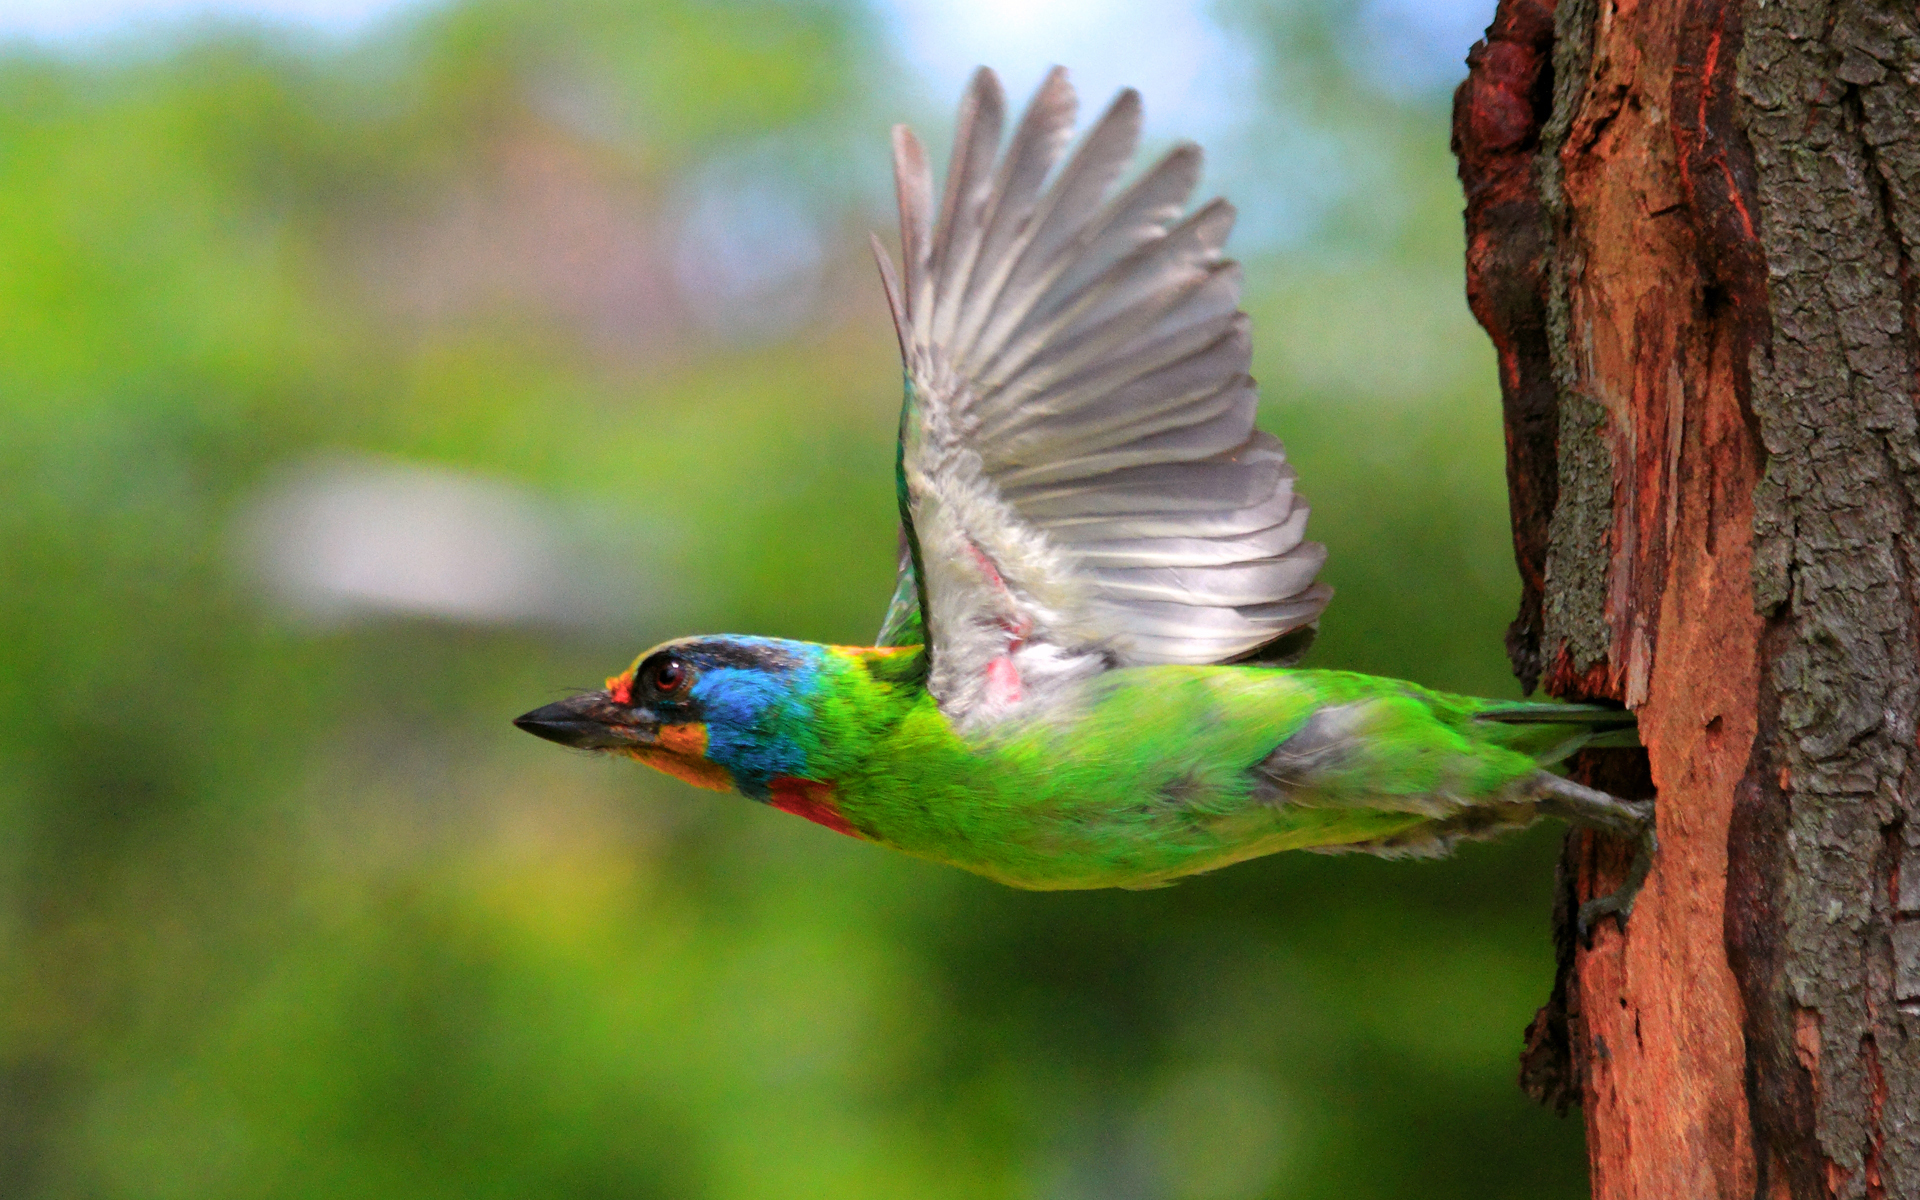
718 712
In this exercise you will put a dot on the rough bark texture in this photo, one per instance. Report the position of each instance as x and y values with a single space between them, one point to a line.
1690 236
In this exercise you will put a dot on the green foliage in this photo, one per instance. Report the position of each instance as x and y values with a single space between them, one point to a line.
290 910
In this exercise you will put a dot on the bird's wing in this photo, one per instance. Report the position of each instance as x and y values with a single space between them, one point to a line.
1081 484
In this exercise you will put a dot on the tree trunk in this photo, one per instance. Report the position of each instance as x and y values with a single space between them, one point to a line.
1690 236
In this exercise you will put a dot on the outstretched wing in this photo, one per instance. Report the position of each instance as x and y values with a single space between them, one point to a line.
1081 483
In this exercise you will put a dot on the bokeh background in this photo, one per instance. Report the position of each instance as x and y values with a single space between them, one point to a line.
370 373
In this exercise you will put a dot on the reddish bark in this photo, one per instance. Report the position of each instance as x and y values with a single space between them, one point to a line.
1651 344
1709 358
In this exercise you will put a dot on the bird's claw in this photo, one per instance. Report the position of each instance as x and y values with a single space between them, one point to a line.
1618 903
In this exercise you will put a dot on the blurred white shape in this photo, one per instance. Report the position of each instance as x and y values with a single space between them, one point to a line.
1197 77
70 20
748 257
1409 47
347 537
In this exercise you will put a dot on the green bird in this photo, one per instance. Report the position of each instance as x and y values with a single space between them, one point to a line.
1079 682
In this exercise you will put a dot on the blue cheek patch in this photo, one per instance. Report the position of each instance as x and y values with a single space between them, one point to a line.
743 710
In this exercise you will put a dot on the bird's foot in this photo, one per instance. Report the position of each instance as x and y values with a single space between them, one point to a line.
1618 903
1593 809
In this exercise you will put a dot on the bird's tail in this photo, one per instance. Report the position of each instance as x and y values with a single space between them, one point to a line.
1550 732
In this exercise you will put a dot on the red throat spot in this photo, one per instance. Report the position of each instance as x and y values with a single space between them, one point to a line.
813 800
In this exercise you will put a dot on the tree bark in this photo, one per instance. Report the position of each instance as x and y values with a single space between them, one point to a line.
1691 227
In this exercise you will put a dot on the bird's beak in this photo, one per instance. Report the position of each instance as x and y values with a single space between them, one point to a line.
592 721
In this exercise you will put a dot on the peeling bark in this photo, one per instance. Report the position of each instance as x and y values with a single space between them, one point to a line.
1691 227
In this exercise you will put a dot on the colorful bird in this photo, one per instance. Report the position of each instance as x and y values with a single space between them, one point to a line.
1103 565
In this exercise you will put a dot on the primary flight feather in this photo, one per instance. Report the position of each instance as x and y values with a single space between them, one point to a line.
1102 562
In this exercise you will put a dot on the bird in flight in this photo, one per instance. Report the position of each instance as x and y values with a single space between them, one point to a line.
1080 681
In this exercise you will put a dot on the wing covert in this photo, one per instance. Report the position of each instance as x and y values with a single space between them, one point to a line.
1081 483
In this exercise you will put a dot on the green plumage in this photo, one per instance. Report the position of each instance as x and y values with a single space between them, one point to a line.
1150 773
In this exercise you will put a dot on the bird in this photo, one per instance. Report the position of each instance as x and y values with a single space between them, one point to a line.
1084 678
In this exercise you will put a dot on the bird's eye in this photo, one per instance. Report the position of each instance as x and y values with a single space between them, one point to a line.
670 676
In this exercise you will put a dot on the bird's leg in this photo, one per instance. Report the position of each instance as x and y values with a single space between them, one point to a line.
1589 808
1593 809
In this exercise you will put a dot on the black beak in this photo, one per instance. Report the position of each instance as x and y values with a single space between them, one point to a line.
588 722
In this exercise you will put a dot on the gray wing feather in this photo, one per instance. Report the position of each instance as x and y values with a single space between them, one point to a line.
970 179
913 187
1234 523
1081 470
1121 407
1037 145
1140 215
1190 551
1155 292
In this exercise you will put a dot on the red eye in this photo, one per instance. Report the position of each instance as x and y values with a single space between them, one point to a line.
670 675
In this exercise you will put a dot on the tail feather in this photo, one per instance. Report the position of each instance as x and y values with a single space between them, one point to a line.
1593 716
1550 732
1620 737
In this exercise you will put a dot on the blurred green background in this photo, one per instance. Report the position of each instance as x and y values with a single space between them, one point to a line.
360 391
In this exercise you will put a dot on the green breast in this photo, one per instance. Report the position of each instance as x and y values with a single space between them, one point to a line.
1141 776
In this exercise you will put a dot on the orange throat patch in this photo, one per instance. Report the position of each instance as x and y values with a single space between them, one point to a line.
682 753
